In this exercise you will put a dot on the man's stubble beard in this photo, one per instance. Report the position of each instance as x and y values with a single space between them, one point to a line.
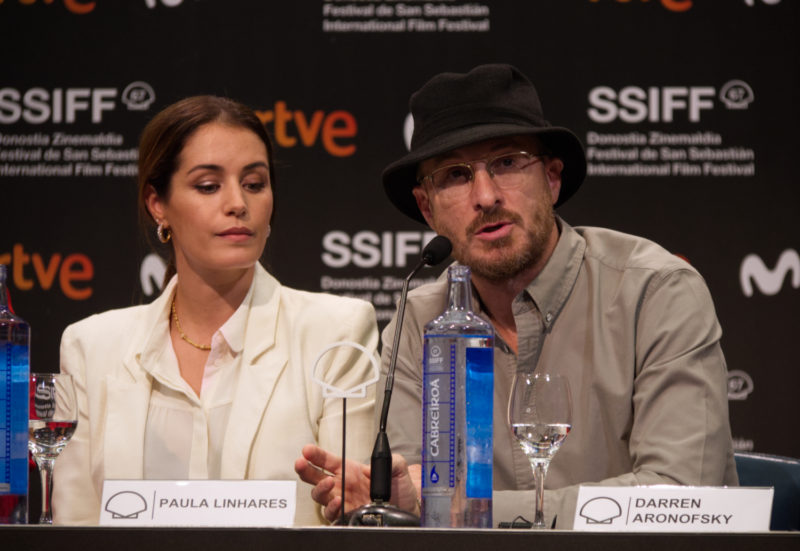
510 262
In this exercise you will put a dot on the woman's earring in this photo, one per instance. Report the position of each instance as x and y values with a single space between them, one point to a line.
163 233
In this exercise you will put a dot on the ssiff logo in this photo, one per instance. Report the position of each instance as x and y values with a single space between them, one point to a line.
634 104
740 385
66 105
138 96
736 94
168 3
43 403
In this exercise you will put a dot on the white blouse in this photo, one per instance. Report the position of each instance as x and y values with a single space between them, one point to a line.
185 434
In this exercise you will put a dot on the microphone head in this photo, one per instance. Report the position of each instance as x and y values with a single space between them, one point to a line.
436 250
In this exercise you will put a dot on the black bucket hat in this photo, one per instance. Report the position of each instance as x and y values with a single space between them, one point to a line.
456 109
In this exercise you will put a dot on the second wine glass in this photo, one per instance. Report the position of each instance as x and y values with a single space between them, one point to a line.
53 416
540 417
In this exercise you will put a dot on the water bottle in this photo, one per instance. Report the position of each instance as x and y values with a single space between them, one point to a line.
458 389
14 369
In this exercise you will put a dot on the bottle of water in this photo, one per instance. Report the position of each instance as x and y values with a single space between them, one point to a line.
458 388
14 369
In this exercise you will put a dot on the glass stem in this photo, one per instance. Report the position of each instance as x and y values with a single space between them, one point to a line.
539 472
46 473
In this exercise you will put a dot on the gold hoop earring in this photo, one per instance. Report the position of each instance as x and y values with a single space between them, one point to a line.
163 233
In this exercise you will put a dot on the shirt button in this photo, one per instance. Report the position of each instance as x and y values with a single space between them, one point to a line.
548 317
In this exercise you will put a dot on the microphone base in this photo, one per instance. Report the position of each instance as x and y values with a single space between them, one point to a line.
377 514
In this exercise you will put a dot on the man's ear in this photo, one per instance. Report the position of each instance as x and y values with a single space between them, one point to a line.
552 171
424 204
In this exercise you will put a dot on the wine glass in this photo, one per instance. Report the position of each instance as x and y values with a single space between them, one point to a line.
53 416
540 416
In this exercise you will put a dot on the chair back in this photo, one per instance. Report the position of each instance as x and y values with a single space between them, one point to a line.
783 474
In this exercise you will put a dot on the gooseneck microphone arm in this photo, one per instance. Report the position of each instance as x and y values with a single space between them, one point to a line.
401 312
380 483
434 253
379 513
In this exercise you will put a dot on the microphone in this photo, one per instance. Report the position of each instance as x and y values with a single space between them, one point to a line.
379 512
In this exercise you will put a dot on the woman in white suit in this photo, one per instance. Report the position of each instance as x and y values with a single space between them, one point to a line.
213 379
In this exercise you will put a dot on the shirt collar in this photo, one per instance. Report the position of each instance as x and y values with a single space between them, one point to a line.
233 330
156 357
551 288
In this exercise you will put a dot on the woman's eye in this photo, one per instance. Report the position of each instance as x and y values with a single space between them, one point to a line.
206 187
255 185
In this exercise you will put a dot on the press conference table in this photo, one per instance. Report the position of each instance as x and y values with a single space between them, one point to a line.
379 539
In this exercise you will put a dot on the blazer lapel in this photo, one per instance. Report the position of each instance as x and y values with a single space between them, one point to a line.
263 362
125 423
128 393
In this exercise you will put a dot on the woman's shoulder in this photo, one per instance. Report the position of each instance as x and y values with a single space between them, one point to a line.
122 321
317 301
313 319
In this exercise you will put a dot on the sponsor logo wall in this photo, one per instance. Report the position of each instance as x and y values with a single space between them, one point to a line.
687 111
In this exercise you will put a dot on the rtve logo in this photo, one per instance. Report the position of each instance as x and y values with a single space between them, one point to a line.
82 7
75 6
73 271
334 129
671 5
684 5
66 105
633 104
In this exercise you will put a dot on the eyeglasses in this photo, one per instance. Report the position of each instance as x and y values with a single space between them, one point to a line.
504 169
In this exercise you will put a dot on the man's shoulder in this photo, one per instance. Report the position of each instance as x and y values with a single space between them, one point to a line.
428 292
427 301
624 251
432 288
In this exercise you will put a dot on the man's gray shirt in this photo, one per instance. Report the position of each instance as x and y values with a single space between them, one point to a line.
634 330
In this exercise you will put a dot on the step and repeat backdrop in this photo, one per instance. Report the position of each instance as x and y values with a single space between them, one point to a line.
687 110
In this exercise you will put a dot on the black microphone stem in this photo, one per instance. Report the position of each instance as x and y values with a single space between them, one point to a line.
387 397
380 482
344 452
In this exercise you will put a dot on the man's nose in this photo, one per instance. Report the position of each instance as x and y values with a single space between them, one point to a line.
485 192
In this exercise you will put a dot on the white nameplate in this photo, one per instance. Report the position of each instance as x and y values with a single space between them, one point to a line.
198 503
673 509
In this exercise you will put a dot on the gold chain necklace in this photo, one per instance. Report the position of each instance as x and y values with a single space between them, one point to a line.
182 334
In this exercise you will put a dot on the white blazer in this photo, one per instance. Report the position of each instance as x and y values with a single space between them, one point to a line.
276 410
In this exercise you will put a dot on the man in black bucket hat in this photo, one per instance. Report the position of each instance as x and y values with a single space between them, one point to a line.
494 101
630 325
